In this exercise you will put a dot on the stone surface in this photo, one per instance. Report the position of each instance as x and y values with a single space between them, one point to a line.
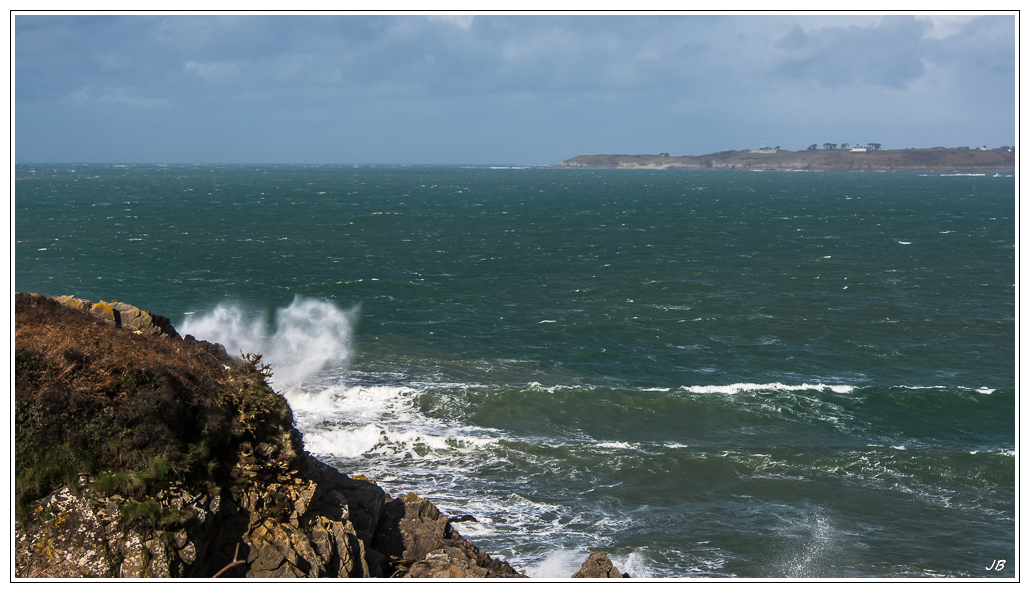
412 529
306 526
598 566
143 322
275 508
119 314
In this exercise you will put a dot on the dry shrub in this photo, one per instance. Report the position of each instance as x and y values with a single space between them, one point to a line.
93 399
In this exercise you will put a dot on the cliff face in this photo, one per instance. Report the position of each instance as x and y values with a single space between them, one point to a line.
142 454
810 160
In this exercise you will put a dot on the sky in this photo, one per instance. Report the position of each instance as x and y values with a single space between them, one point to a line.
501 89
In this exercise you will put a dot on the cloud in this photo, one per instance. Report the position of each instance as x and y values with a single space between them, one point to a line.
80 96
975 45
888 54
129 97
126 96
522 84
943 26
211 71
464 21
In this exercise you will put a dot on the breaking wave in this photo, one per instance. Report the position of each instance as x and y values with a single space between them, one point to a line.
304 338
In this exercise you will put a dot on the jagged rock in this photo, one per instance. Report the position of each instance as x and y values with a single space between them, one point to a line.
143 322
411 528
443 565
364 498
119 314
216 350
410 536
598 566
279 511
65 537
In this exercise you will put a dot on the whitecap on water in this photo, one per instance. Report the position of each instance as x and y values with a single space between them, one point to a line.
559 564
736 388
342 442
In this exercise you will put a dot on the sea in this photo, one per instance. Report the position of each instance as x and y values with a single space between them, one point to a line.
775 374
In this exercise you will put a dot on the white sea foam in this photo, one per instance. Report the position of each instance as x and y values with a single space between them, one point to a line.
533 385
982 390
358 402
614 445
559 564
351 420
449 441
1004 452
635 563
736 388
820 546
309 335
342 442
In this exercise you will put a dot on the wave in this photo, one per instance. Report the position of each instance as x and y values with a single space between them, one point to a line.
736 388
349 421
561 564
308 336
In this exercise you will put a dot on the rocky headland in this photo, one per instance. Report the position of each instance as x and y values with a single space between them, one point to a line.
929 159
140 453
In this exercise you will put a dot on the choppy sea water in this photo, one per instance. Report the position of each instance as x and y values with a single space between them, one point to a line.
711 373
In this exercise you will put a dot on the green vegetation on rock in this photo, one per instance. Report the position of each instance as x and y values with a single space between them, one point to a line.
134 411
139 453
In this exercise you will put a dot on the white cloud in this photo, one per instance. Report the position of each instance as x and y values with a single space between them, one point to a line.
81 96
129 97
211 71
945 25
887 54
461 20
124 95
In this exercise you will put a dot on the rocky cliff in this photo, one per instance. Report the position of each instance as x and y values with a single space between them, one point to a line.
139 453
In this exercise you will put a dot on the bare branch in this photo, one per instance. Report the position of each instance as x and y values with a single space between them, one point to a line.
232 564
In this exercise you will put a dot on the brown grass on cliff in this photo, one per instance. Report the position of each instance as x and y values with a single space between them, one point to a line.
92 399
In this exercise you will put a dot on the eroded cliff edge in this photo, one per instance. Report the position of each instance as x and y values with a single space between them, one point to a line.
140 453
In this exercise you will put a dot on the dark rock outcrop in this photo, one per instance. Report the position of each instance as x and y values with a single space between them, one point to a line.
119 314
599 566
296 525
251 495
418 541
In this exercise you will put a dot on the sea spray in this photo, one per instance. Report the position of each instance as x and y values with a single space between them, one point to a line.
310 335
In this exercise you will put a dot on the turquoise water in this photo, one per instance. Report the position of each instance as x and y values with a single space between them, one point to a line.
712 373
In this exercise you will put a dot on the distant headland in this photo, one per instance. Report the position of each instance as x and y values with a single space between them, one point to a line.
815 158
